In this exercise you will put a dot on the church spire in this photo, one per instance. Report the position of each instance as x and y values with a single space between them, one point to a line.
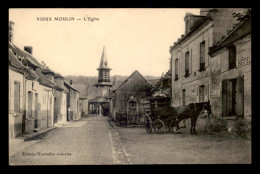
103 62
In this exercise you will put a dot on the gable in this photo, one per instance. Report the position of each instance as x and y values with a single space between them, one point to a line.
135 83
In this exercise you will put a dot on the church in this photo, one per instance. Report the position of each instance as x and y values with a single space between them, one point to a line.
100 104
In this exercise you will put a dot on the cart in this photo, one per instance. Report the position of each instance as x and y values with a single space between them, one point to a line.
163 117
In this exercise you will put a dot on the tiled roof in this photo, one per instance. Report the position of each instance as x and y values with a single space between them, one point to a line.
47 71
20 53
70 86
15 63
57 75
44 80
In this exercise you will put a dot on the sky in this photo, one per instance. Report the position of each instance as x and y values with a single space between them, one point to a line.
135 39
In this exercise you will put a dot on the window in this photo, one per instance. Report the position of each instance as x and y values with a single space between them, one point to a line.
176 69
202 56
187 64
201 93
232 56
16 96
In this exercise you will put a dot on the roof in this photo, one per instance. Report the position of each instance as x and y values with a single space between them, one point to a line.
130 77
57 75
16 65
44 80
20 53
69 85
203 20
47 71
166 76
103 62
241 30
98 100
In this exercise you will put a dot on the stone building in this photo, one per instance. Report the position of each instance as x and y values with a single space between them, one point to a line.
230 89
72 101
191 63
33 92
100 104
60 99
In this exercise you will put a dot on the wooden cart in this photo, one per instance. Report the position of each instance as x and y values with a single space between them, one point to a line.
162 117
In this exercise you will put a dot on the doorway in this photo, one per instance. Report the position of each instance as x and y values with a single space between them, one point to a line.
36 111
132 112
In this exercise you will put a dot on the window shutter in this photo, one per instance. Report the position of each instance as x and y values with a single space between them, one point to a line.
21 97
11 88
224 97
206 52
206 94
240 96
197 95
198 57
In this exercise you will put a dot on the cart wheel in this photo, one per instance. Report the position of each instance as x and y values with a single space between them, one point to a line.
159 126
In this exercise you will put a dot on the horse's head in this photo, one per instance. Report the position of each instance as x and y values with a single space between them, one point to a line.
204 108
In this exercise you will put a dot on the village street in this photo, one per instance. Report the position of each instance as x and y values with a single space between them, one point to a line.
170 148
93 141
86 141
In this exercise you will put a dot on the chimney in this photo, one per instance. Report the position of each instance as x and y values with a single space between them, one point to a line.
28 49
71 82
10 34
188 22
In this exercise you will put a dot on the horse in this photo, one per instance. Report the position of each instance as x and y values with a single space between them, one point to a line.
193 112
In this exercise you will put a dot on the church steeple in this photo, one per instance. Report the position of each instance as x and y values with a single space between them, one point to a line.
103 62
103 70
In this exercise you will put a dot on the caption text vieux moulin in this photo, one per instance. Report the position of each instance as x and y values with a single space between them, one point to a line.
66 19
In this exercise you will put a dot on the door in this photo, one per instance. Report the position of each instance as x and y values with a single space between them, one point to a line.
132 113
240 97
55 110
232 90
36 111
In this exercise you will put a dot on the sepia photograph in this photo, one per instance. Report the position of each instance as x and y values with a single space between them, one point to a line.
127 86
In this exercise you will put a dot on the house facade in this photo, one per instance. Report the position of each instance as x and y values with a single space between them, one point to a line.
33 93
131 98
191 63
230 90
72 101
